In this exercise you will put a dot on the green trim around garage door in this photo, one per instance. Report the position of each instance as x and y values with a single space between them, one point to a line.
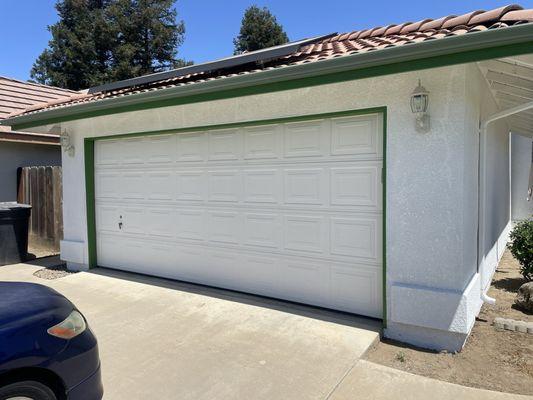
90 201
384 217
89 153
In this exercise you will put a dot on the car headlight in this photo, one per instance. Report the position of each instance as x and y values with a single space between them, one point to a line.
71 327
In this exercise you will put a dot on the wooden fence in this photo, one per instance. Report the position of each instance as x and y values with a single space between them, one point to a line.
41 187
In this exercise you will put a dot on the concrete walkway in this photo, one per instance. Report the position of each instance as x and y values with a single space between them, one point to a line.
171 340
379 382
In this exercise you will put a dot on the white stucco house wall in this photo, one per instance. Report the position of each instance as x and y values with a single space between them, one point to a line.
298 172
521 154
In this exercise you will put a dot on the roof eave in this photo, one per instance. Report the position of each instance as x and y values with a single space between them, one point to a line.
29 138
478 44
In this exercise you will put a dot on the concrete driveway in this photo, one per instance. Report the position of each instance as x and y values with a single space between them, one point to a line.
169 340
163 339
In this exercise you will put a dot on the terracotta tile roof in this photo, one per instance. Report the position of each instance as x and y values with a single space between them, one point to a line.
16 96
339 45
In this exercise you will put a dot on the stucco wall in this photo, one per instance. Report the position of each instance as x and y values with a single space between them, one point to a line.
495 224
431 186
14 155
520 165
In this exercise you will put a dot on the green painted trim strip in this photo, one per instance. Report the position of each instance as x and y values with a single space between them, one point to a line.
90 201
384 216
278 80
90 179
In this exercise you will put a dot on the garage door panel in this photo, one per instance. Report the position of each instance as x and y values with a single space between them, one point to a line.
305 234
110 253
107 185
132 185
160 149
356 186
134 220
108 152
161 222
191 225
262 275
262 142
133 151
306 139
344 286
160 185
191 147
305 186
117 251
225 145
224 227
191 264
191 185
262 186
356 237
356 289
224 186
165 254
358 135
290 210
107 218
223 268
262 230
304 279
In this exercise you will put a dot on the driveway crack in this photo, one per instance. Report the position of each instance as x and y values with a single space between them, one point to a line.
328 396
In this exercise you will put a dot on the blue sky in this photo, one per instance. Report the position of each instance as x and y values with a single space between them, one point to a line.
211 25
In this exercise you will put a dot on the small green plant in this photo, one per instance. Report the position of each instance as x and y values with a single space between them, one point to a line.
521 247
400 356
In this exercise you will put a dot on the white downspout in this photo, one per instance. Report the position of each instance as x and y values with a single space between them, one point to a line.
483 182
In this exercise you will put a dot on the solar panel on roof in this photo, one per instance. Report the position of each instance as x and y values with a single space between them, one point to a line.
233 61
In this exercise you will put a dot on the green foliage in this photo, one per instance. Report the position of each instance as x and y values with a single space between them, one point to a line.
401 357
521 247
146 37
259 29
97 41
73 58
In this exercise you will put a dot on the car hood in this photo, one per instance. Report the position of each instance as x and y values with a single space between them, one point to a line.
22 301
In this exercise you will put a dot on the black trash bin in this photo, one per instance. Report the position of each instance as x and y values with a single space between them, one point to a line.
14 219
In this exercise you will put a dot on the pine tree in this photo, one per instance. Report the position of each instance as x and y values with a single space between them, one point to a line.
72 59
146 37
259 29
97 41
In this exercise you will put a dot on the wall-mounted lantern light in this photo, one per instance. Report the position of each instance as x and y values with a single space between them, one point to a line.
419 107
66 144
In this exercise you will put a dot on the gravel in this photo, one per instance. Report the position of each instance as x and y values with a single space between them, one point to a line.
55 272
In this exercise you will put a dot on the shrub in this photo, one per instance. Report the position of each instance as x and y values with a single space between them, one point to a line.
400 356
521 247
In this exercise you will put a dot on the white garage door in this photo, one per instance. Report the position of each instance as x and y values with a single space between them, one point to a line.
289 210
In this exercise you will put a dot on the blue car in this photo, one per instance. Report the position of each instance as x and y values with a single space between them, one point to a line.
47 351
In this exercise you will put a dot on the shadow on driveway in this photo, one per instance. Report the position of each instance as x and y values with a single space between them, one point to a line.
319 313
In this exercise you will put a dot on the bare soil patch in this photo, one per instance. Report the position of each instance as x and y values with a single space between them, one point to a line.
38 250
501 361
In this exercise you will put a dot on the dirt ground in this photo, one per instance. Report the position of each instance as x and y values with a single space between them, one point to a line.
501 361
36 250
